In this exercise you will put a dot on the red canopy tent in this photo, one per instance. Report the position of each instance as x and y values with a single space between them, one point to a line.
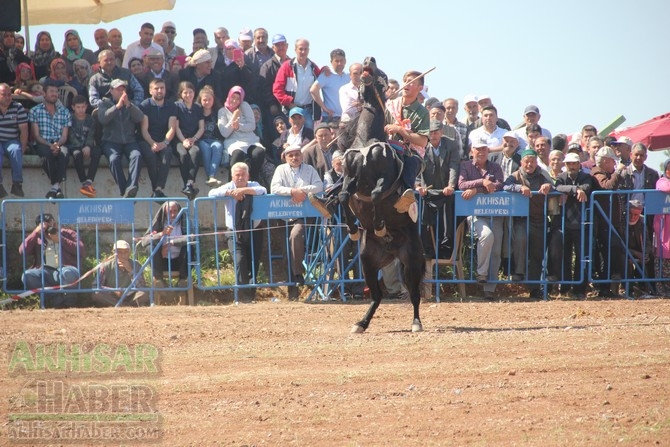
654 133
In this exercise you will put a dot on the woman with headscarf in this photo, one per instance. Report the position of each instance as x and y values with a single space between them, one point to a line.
44 53
82 74
58 72
237 124
74 50
662 226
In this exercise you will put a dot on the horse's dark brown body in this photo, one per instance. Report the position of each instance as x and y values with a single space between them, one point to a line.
369 191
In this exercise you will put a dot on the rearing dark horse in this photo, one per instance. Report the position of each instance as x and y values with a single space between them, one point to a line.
372 176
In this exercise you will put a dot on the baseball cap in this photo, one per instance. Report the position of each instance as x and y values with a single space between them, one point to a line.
152 52
246 34
45 217
622 140
292 148
277 38
531 109
606 152
118 83
482 97
571 157
435 125
469 98
480 142
121 244
296 110
575 147
528 152
511 134
169 25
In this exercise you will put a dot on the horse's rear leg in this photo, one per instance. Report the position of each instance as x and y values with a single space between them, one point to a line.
370 272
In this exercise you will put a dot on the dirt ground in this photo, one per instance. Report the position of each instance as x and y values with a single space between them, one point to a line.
577 373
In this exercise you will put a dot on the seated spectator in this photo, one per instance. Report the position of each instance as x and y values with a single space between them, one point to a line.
119 118
178 63
33 95
74 50
190 127
50 122
136 66
155 68
158 131
55 257
297 134
199 73
115 275
211 142
337 171
44 53
297 180
10 57
527 179
99 85
25 77
319 153
81 146
20 44
13 139
58 74
169 231
245 244
280 124
235 72
237 124
82 76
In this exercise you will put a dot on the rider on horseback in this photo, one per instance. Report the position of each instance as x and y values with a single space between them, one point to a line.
407 122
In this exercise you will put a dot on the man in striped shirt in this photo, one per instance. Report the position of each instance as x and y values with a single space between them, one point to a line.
13 138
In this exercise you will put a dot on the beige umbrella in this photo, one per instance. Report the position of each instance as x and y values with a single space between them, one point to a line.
47 12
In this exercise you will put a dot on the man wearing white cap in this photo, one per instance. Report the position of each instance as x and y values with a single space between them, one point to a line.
245 39
170 30
566 240
155 68
296 179
199 73
622 147
115 275
484 101
609 259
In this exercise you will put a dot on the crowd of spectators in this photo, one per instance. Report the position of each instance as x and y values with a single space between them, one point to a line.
247 101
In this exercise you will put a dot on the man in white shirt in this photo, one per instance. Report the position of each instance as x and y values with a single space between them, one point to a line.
136 49
296 179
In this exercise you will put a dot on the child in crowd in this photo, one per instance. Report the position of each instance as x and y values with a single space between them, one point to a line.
81 145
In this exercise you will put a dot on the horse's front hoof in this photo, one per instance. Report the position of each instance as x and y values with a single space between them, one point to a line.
356 329
355 236
381 232
417 326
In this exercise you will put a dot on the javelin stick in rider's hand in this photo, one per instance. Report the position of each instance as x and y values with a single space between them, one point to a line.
414 79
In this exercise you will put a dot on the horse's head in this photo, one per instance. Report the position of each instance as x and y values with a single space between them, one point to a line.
373 79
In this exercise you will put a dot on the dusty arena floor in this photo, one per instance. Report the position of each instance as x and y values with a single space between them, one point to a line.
587 373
